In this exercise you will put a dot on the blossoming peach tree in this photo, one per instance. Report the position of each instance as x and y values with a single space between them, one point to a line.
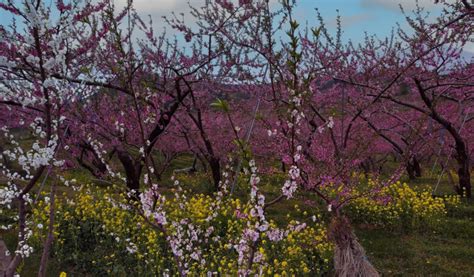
426 74
59 70
83 84
321 148
42 43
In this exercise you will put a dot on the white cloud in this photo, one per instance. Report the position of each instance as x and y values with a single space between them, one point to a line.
161 7
156 9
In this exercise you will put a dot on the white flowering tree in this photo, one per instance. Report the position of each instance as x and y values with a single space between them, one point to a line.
43 42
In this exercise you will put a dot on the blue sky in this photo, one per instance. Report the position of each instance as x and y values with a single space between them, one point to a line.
358 16
373 16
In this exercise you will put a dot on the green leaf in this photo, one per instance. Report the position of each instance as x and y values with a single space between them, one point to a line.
221 105
316 32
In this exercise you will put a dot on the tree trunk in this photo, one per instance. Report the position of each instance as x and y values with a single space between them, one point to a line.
366 167
462 158
462 153
416 167
413 168
50 236
410 170
349 256
463 172
132 171
215 166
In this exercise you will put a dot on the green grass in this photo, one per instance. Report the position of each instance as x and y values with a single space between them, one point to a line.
445 251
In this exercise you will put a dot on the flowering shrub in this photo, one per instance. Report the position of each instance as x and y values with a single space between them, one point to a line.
398 205
99 232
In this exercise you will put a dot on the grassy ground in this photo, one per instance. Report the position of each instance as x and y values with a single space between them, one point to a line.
447 250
